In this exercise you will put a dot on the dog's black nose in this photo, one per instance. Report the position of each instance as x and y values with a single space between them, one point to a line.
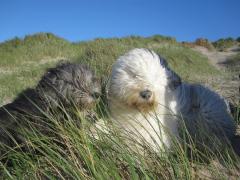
146 94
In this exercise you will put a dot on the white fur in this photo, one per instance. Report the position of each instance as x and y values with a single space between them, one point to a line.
141 69
133 72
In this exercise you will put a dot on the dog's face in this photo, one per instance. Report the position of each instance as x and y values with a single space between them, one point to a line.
72 84
87 90
138 80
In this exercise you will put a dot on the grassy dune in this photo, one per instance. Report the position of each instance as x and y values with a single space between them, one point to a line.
23 61
77 154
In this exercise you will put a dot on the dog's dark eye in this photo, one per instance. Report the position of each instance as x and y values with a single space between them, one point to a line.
96 95
134 75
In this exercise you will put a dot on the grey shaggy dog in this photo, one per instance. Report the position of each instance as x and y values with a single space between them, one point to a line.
66 86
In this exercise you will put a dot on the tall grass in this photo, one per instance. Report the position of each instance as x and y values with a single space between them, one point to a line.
87 152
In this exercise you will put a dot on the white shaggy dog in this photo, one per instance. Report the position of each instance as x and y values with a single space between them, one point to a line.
138 98
145 96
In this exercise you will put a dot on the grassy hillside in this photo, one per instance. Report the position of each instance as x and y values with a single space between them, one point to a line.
78 155
23 61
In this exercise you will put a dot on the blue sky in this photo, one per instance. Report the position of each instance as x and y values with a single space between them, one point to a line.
77 20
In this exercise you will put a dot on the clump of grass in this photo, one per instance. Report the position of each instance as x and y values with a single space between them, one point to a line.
205 43
222 44
199 42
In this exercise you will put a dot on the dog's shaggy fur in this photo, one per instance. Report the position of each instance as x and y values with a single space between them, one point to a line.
64 87
146 99
206 116
147 119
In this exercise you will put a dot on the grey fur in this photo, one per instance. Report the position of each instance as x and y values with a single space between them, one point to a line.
67 85
206 114
198 104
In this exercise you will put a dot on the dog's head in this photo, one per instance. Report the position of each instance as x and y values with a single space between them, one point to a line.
140 78
71 84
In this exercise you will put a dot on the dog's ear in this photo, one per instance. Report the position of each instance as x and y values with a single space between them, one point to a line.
174 79
163 62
